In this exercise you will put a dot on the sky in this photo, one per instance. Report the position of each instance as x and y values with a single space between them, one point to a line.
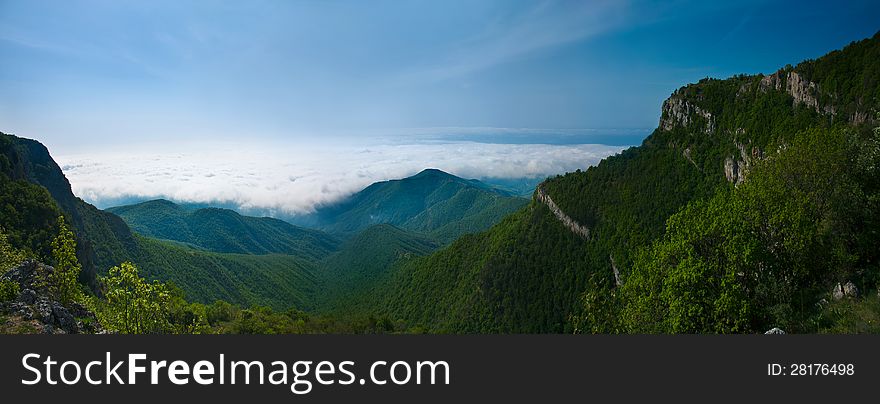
532 82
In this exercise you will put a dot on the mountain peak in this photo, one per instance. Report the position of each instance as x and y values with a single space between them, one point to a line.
433 172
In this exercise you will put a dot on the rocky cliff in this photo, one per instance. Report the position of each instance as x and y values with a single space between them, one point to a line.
103 239
744 115
567 221
33 311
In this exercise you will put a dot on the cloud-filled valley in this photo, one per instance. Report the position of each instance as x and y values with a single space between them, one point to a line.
286 180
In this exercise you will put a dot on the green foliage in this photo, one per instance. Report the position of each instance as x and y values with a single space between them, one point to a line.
9 290
27 216
62 281
185 317
224 318
523 275
225 231
809 226
850 316
9 256
433 203
761 255
274 280
365 262
133 305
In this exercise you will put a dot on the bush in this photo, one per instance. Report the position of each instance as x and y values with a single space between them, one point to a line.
9 290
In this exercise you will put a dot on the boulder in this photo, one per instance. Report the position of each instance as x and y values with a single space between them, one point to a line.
850 290
27 296
63 319
847 289
28 274
774 331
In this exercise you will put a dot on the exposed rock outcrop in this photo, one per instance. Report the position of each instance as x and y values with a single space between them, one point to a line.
775 331
34 311
687 155
841 291
679 112
800 89
566 220
736 169
617 280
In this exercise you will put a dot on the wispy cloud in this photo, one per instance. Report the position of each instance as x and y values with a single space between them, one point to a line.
546 25
290 179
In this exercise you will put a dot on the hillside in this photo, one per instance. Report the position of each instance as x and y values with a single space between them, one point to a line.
531 273
34 192
365 261
225 231
433 203
103 239
274 280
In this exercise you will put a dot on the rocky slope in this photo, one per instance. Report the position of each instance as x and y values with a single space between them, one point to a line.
32 311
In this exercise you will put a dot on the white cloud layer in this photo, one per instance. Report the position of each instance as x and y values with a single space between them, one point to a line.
290 180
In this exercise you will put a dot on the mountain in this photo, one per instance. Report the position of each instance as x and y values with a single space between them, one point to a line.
432 202
365 260
224 231
522 187
276 280
34 193
103 239
613 246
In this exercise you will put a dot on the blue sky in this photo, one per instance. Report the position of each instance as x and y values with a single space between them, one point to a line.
130 97
95 72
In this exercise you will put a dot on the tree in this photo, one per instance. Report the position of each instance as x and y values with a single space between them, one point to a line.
134 306
62 281
9 256
761 255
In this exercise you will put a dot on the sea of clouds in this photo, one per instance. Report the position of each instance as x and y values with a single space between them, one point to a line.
294 179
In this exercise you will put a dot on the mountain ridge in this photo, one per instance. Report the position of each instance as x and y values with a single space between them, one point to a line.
224 230
530 273
432 202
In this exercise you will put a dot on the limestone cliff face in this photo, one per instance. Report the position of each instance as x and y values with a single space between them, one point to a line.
801 90
688 108
679 112
567 221
736 169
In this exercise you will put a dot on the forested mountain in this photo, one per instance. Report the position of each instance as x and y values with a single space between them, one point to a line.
34 193
433 203
648 217
103 239
365 261
754 204
276 280
225 231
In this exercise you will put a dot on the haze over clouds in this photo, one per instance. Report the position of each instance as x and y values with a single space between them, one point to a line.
233 94
288 179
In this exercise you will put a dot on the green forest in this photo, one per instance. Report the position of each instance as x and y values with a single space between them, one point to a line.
754 205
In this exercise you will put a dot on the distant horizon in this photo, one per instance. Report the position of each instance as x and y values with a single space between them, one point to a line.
288 179
287 105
